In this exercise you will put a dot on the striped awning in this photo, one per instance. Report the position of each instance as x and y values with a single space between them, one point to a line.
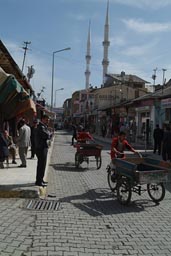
11 89
14 100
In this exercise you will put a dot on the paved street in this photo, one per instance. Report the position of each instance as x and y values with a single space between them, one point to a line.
89 220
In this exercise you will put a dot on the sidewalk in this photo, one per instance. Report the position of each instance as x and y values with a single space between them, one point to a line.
20 182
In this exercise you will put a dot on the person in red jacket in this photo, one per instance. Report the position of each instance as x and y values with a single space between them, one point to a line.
118 146
83 137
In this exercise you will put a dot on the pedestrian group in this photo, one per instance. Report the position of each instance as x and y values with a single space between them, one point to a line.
36 137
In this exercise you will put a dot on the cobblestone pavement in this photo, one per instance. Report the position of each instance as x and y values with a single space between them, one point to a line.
89 221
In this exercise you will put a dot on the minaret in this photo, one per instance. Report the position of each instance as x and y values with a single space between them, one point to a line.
106 44
88 58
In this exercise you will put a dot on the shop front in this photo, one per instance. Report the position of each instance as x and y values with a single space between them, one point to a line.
166 106
144 121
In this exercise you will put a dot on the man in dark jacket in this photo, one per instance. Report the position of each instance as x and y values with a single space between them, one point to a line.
32 138
158 137
166 148
42 135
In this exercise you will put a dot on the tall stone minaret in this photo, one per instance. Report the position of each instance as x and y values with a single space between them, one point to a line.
106 44
88 58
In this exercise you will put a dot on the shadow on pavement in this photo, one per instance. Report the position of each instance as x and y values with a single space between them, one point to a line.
67 167
70 167
97 202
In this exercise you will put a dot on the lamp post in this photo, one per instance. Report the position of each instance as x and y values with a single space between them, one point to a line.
61 89
53 60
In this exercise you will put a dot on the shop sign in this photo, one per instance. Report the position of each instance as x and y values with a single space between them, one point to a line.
166 103
141 109
76 102
106 97
123 114
146 103
76 114
102 113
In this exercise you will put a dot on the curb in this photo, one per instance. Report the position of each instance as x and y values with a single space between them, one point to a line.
5 193
11 191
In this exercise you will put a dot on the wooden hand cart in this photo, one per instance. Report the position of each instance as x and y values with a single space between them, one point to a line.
86 152
130 174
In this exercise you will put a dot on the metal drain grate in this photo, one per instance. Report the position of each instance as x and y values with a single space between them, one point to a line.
41 205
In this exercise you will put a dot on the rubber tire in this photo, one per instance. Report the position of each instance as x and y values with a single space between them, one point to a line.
77 160
98 162
157 185
112 185
124 183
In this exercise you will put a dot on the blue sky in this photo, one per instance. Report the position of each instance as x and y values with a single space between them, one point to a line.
140 39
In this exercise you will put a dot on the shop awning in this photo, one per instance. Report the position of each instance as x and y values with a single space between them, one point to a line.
26 107
11 89
45 110
18 108
3 76
14 100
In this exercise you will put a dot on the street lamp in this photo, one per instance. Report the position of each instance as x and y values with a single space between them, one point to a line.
53 58
61 89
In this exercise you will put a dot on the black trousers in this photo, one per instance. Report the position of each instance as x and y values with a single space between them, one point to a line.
41 163
157 146
74 136
33 149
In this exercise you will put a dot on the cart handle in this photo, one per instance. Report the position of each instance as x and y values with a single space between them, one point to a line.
139 154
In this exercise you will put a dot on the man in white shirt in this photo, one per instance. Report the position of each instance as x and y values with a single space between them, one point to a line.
23 142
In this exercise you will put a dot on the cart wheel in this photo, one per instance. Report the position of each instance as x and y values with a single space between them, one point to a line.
124 191
98 162
77 160
156 191
111 178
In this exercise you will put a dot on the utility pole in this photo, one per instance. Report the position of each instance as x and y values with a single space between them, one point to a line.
154 76
30 73
25 50
164 70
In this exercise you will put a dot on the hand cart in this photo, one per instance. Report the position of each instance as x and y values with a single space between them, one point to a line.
87 149
130 174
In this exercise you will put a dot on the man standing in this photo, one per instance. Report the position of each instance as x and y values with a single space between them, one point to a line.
158 137
23 141
32 138
42 135
11 146
166 147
